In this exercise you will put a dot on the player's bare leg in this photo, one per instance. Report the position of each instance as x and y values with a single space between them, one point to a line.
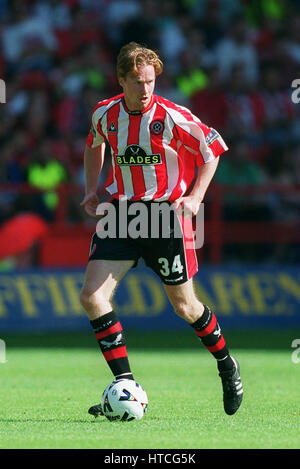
101 279
185 301
200 317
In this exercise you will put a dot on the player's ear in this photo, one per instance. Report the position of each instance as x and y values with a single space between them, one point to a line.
121 81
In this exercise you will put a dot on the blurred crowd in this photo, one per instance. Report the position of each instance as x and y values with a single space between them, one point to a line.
231 62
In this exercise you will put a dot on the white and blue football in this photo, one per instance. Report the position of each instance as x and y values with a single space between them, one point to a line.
125 400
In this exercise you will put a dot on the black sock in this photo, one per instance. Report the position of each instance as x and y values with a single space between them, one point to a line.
110 337
209 332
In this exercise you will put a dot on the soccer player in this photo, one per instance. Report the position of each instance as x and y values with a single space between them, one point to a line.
160 152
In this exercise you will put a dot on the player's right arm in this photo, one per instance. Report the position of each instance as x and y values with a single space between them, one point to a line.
93 163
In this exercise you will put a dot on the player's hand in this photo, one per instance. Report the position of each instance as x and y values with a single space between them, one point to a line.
90 203
189 205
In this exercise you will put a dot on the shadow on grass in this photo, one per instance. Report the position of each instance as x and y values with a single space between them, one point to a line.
163 340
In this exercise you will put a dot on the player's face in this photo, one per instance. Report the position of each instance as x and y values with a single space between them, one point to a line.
139 88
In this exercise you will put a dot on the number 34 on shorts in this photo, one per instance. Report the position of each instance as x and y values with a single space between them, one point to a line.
171 271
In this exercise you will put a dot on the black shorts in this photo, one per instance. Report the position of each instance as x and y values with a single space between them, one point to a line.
172 257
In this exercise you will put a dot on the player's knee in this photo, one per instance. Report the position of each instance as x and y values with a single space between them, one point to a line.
91 301
188 311
87 299
182 309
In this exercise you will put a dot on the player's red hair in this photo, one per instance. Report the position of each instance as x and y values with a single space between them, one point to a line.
133 55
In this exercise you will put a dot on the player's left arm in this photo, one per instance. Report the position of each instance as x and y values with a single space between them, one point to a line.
206 144
190 204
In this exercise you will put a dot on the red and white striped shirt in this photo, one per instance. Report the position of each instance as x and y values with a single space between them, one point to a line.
155 151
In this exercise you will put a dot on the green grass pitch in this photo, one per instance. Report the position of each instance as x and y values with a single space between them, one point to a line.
49 382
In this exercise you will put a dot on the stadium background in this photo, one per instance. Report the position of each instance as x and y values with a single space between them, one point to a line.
234 68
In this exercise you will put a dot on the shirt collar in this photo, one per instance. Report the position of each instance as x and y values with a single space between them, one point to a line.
138 113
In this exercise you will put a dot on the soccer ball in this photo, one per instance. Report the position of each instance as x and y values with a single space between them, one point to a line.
125 400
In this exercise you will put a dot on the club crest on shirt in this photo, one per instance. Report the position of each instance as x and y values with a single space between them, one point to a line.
156 127
134 155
